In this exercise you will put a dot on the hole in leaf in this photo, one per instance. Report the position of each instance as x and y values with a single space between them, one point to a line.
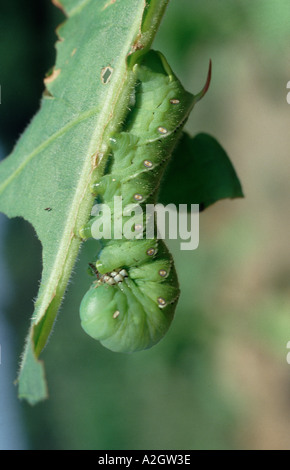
106 74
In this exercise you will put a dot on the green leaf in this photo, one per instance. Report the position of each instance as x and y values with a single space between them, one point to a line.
47 177
32 387
200 173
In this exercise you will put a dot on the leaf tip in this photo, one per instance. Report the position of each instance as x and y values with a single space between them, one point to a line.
31 381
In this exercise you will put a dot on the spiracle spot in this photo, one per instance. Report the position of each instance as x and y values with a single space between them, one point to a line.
163 273
151 252
174 101
148 163
116 314
138 197
161 302
162 130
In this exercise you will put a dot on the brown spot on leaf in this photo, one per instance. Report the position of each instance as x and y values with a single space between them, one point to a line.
58 33
55 73
110 2
98 158
138 46
58 4
47 94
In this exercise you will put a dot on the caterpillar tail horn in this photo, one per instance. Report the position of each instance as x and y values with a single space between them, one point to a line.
203 92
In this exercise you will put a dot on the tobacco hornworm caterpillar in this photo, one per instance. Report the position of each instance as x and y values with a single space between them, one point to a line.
131 306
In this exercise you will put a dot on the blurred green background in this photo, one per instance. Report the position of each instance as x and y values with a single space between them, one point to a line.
219 379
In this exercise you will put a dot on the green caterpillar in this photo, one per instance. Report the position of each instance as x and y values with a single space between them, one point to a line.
132 304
